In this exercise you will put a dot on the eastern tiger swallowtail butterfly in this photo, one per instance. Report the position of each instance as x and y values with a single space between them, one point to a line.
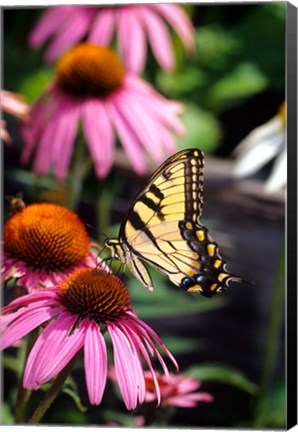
162 227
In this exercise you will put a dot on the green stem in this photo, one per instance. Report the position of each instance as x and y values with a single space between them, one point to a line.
80 168
52 393
272 341
103 201
23 394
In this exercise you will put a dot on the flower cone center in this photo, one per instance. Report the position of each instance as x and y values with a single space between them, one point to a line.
46 237
96 294
89 70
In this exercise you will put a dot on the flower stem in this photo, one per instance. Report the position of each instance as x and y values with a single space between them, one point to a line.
23 394
272 341
80 168
52 393
105 194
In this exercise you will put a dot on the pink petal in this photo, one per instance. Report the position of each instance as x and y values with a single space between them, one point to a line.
71 33
25 324
30 299
31 129
63 144
51 20
57 138
46 351
95 361
138 367
99 133
164 110
141 123
159 38
181 23
102 29
13 104
128 139
131 39
190 400
133 330
124 366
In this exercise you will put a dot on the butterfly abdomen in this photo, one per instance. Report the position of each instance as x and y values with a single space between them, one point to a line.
212 276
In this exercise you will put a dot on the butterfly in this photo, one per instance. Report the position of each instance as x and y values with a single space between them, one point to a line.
162 228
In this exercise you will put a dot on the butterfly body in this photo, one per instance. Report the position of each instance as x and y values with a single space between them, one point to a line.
162 228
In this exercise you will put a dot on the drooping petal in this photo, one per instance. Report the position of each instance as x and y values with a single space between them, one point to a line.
31 129
139 372
46 349
190 400
69 347
57 139
128 139
141 123
51 20
159 38
164 110
95 361
180 22
138 343
131 39
124 366
71 32
99 133
67 132
25 324
30 299
103 26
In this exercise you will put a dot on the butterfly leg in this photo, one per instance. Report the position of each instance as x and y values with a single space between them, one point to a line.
139 270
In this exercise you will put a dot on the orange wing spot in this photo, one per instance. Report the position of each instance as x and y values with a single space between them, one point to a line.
217 263
211 249
200 235
213 287
188 225
222 276
195 288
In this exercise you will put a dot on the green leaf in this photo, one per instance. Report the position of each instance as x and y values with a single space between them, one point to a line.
223 374
181 82
76 398
245 80
168 300
274 413
216 46
203 130
178 345
34 84
6 417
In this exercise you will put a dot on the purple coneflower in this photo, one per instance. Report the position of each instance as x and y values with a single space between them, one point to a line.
43 243
67 25
78 313
92 86
176 390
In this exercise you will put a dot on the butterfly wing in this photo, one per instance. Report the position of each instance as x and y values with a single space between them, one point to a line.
162 228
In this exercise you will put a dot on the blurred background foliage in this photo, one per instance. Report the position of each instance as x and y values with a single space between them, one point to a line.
234 82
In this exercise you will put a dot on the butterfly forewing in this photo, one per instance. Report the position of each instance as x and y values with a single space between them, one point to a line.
174 192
